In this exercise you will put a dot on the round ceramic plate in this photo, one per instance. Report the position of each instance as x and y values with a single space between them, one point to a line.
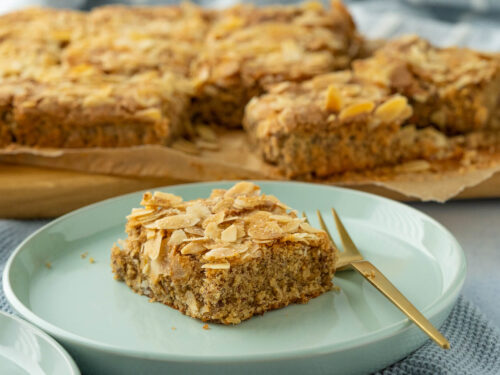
111 330
25 350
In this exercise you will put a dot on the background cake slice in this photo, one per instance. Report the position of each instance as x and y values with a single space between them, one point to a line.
454 89
336 123
226 258
251 47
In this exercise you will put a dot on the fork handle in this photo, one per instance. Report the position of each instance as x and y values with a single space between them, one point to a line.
379 281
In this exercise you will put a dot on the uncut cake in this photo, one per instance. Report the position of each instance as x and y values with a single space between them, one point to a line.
226 258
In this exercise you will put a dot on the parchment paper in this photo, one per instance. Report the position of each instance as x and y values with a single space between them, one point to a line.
236 160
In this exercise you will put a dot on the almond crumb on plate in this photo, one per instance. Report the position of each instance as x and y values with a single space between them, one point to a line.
48 265
206 327
84 255
91 260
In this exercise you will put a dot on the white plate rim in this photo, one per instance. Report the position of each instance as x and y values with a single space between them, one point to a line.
446 299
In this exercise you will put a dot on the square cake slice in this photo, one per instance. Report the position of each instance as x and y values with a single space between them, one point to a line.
250 47
454 89
336 123
226 258
79 108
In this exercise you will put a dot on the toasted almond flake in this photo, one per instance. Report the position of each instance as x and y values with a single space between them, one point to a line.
152 247
264 230
195 230
220 252
196 239
166 199
356 109
193 248
243 188
308 228
230 234
139 212
215 218
333 99
212 231
216 266
174 222
393 109
199 210
281 218
291 226
177 237
301 237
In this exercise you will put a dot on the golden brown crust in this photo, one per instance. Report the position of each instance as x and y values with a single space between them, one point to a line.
225 258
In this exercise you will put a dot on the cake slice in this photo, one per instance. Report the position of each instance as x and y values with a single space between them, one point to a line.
336 123
79 108
454 89
250 47
226 258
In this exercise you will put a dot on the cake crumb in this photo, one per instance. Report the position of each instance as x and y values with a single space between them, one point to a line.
84 255
173 328
206 327
91 260
48 265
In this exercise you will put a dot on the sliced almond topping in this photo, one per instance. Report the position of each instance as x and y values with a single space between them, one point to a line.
393 109
217 266
216 218
212 231
333 99
199 210
243 188
230 234
195 230
220 252
356 109
139 212
177 237
174 222
152 247
301 237
193 248
308 228
262 230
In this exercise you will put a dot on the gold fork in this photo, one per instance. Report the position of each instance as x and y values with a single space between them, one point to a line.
351 258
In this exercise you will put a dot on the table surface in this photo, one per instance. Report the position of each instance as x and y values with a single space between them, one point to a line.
476 225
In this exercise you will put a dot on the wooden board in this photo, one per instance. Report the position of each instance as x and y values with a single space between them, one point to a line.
29 192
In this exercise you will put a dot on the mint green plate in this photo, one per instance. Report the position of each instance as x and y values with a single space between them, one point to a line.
25 350
111 330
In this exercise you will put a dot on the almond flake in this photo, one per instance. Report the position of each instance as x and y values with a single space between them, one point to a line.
310 229
174 222
177 237
230 234
333 99
393 109
152 247
199 210
212 231
217 266
242 188
357 109
220 252
193 248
